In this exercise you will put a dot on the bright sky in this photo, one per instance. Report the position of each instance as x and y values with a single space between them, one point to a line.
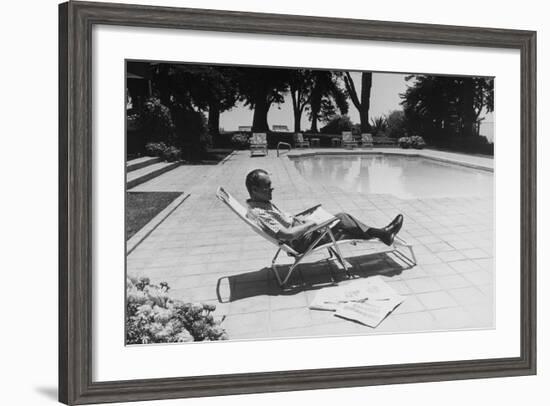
384 99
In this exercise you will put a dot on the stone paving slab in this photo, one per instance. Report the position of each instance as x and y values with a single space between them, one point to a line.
206 253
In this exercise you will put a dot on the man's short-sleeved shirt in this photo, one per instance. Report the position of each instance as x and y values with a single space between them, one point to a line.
268 216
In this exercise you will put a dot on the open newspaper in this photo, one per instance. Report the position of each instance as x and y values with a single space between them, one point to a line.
318 216
367 301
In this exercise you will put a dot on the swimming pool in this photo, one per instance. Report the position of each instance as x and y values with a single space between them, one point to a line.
402 176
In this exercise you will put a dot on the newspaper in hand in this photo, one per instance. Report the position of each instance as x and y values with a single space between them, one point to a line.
318 216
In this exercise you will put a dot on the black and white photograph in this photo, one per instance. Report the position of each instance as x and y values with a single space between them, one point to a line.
275 203
291 202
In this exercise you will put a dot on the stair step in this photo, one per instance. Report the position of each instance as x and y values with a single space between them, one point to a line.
149 172
142 162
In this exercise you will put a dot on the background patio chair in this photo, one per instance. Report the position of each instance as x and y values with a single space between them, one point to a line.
347 140
258 144
325 228
299 141
366 140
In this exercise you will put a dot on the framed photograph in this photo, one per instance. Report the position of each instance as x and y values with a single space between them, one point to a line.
260 202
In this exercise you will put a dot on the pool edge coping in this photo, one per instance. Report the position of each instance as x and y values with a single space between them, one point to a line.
419 153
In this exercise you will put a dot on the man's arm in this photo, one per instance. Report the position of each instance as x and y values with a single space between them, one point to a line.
291 233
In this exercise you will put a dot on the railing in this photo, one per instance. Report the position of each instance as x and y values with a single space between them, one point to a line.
283 144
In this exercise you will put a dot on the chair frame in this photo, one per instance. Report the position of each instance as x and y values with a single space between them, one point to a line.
350 142
367 140
300 143
325 228
261 147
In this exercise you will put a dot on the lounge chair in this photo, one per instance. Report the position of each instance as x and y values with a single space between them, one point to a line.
258 144
299 141
366 140
332 247
347 140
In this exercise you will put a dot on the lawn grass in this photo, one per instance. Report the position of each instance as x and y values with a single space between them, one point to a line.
142 207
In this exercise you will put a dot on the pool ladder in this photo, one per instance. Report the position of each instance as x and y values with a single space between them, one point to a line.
283 144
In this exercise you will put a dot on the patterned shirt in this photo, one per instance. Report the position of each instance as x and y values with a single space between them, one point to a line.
268 216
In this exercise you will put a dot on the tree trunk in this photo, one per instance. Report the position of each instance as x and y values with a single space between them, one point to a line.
366 84
296 109
314 123
468 112
297 119
364 118
261 108
315 105
214 121
259 122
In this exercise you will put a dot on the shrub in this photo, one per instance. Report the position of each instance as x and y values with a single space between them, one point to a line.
153 317
405 142
156 148
133 122
191 132
155 120
240 141
396 124
379 126
171 154
337 124
417 142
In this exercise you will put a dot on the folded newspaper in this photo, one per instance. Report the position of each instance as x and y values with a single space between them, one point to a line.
367 301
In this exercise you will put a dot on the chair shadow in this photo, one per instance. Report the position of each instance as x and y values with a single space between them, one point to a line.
306 277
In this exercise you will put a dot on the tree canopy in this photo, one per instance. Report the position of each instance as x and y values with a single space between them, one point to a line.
259 88
436 107
447 105
326 97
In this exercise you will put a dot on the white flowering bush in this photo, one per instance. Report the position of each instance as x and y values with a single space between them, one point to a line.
152 316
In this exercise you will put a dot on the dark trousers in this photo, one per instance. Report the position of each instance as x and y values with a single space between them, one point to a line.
348 228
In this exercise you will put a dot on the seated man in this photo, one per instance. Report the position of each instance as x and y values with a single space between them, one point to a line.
291 229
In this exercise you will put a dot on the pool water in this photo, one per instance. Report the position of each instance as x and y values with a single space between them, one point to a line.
402 176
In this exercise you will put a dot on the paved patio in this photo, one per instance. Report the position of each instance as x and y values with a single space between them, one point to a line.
207 254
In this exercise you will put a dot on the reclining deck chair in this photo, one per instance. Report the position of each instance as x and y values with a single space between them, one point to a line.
366 140
258 144
325 227
347 140
299 141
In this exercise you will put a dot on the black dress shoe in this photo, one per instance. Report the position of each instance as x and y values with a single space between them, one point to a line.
396 227
396 220
388 233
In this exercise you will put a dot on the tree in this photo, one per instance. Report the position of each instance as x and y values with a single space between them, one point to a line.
301 88
191 91
448 106
362 105
337 124
396 124
259 88
208 88
326 97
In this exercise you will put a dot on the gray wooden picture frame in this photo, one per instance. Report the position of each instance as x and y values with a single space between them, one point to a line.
76 20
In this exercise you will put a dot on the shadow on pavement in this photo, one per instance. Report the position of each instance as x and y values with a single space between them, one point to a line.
307 276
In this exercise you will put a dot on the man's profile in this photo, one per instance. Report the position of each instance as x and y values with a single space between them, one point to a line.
293 229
